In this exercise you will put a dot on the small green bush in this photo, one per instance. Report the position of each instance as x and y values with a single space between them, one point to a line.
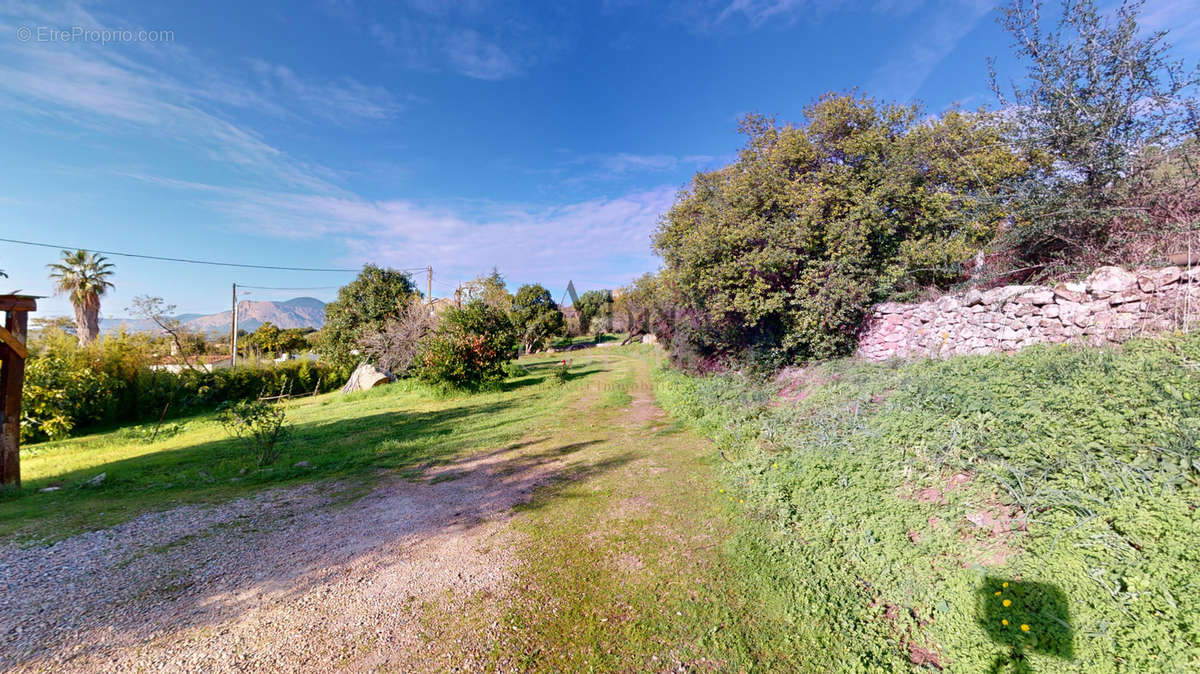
468 349
57 398
259 425
562 373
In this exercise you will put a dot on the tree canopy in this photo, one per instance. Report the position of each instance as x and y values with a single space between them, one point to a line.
787 246
593 304
535 315
468 348
84 278
364 305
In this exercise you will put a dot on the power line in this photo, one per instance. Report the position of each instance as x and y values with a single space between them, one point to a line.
189 261
240 286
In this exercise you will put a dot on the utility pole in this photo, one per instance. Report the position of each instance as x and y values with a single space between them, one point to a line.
429 297
233 331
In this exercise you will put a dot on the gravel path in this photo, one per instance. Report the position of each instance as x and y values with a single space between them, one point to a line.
289 580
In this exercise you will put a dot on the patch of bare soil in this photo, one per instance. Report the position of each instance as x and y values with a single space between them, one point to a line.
797 383
286 580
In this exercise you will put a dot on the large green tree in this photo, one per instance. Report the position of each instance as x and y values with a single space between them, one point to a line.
489 289
787 247
1106 103
593 304
364 305
270 339
536 316
84 277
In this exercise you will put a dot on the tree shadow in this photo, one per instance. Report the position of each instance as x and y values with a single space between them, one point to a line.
1026 617
211 565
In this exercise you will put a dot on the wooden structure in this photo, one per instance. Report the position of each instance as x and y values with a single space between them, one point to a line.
13 353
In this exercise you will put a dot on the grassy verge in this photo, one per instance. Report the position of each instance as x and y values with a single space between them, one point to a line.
624 564
1034 511
400 427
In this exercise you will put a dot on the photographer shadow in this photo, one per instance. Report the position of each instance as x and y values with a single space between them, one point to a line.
1026 618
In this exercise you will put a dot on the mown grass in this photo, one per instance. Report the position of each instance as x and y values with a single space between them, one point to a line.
346 438
893 502
624 565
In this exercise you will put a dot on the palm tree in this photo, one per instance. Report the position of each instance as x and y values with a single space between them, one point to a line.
84 276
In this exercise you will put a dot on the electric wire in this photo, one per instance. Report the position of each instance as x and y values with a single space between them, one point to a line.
213 263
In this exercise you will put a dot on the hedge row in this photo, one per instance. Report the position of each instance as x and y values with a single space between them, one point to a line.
61 397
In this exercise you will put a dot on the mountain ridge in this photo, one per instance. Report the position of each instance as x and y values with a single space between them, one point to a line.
298 312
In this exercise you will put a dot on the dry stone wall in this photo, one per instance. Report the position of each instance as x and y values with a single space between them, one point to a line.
1109 306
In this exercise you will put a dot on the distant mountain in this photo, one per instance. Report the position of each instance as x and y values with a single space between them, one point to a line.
301 312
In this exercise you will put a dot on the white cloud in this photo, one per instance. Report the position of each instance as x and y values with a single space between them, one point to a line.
474 39
587 239
753 14
907 67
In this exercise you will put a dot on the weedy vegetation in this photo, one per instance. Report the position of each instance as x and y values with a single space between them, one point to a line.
889 498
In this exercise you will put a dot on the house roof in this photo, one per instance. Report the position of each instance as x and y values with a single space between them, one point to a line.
206 359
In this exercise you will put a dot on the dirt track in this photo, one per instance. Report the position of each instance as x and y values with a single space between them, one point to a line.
285 580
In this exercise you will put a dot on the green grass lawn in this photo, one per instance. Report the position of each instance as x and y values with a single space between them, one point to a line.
1028 512
403 426
884 517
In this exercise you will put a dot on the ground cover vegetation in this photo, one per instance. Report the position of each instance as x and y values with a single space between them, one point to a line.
1035 511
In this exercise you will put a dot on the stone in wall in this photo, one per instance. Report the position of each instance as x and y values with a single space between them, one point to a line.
1110 306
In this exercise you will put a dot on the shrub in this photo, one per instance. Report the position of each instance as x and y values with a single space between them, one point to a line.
66 393
57 398
394 346
562 373
469 347
259 425
791 243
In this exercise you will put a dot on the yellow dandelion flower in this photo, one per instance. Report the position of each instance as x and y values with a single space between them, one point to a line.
1004 584
1024 627
1007 603
998 593
1004 621
741 500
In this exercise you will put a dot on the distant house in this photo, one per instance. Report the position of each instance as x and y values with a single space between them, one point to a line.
307 355
440 305
177 364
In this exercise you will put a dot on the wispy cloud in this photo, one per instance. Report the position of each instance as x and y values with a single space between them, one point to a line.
1178 17
160 91
332 101
474 39
910 63
584 239
711 15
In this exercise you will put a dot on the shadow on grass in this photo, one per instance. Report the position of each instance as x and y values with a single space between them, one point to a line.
330 448
209 569
1025 617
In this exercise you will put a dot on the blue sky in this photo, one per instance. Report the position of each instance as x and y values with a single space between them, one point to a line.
541 138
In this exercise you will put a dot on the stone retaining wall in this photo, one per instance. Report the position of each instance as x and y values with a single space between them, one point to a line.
1109 306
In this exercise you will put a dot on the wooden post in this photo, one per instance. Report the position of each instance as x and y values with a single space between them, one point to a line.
233 331
12 379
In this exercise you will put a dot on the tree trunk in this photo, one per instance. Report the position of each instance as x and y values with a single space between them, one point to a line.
87 320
